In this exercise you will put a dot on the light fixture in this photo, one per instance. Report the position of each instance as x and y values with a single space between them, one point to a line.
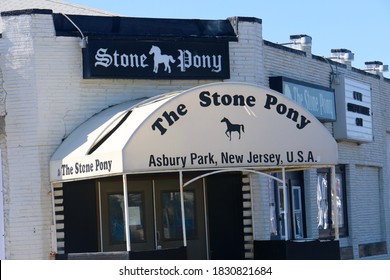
84 40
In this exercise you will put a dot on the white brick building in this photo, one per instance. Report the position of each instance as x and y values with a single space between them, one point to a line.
44 97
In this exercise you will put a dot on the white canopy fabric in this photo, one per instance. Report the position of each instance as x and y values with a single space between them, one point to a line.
209 127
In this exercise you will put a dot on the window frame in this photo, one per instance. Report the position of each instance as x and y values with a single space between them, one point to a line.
294 180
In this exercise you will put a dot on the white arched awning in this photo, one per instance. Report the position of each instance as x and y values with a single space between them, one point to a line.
220 127
214 126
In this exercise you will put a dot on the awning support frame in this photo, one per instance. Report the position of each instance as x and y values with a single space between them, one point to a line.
334 202
285 202
182 186
126 206
183 218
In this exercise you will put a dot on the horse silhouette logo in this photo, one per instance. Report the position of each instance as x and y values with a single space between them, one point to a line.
161 58
233 128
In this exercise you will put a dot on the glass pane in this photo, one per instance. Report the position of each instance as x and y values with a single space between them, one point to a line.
272 210
297 200
281 211
340 199
297 212
116 218
281 225
171 215
136 217
329 199
322 200
281 199
298 225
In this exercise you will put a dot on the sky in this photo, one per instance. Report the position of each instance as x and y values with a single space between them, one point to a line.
363 27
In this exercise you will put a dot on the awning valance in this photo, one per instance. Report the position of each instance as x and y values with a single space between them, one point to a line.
220 125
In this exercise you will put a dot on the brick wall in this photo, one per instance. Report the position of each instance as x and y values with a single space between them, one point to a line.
246 55
367 186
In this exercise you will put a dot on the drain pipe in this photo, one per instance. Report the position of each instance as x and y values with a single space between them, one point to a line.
183 218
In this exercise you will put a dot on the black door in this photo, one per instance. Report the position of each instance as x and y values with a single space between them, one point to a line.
80 214
225 215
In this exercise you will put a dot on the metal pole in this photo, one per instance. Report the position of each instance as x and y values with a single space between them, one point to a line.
183 219
2 233
206 219
334 203
285 204
126 206
100 217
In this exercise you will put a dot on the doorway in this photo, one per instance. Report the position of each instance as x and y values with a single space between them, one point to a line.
154 215
225 216
294 199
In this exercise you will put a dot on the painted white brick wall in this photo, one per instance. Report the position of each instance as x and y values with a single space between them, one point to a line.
246 56
260 207
27 203
365 205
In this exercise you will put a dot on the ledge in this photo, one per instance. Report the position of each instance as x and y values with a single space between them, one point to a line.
27 12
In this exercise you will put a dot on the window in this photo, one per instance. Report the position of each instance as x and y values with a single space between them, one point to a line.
171 215
117 231
116 218
297 212
325 217
295 205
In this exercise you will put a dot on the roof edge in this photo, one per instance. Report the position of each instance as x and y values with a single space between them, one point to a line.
27 12
139 27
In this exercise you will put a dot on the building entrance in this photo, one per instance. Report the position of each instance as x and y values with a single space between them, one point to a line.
225 213
94 215
154 216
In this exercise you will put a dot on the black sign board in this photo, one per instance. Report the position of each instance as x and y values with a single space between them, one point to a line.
318 100
134 59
